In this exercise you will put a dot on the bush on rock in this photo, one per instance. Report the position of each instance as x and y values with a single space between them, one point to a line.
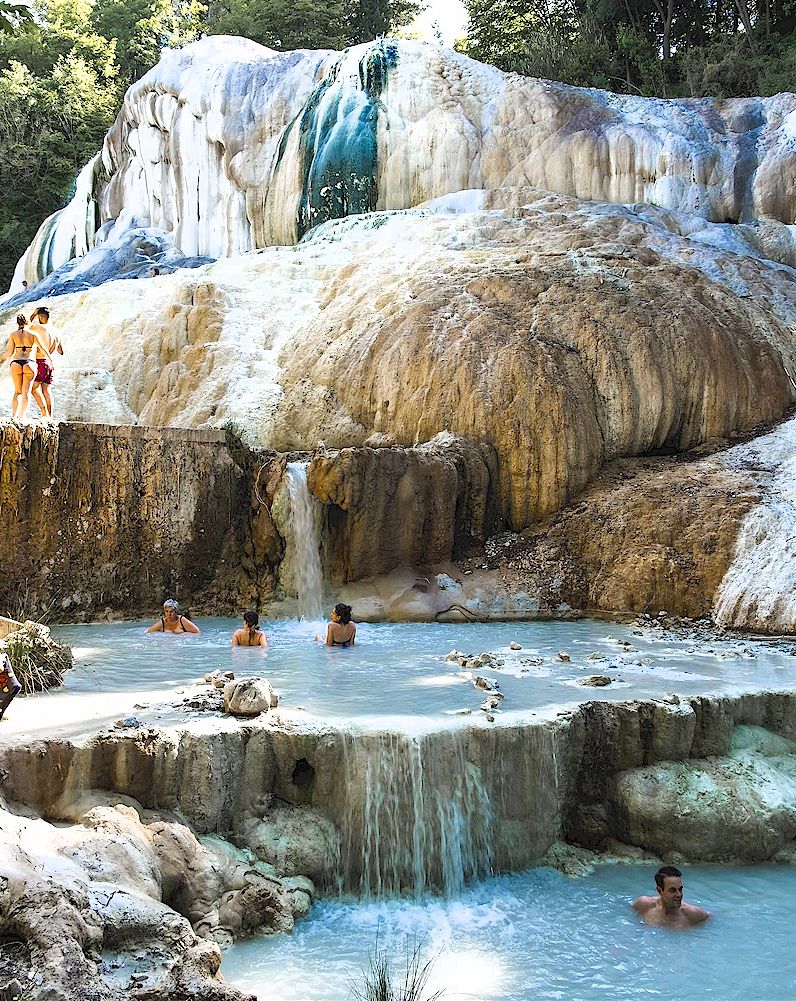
38 661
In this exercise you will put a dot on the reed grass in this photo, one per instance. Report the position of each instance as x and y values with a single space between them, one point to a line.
381 982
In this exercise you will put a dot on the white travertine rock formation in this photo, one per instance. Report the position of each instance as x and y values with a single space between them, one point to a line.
758 591
561 332
249 697
230 146
737 806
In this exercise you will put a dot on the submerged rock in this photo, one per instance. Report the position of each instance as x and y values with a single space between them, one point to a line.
595 681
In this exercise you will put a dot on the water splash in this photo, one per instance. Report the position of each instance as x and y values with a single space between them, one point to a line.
306 528
420 819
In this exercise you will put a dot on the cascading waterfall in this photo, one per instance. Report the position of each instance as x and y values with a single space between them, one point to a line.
420 817
306 525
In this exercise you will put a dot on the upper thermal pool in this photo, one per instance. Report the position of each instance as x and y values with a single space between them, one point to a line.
398 676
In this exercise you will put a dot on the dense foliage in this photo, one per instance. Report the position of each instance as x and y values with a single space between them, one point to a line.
65 66
665 48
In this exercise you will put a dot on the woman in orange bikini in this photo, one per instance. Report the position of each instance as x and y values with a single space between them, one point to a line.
23 348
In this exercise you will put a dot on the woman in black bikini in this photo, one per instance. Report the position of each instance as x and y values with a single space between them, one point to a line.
250 634
22 348
341 631
172 622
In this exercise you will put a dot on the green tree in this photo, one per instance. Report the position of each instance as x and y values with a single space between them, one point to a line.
308 24
666 48
141 28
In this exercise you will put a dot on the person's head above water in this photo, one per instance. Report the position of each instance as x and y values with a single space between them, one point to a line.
42 314
170 605
343 613
251 620
21 321
669 884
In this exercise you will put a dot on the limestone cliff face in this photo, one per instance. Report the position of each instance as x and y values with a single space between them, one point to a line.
95 517
396 507
230 146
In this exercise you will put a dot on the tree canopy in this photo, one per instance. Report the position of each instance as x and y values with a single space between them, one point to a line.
665 48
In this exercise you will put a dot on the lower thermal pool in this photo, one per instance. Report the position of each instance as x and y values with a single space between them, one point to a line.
399 670
540 936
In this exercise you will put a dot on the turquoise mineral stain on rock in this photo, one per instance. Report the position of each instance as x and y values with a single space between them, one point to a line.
337 143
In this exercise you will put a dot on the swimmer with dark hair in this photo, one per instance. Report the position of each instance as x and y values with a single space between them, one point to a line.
250 634
341 631
668 908
172 622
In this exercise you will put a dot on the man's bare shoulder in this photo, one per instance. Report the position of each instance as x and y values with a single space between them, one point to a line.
695 914
643 904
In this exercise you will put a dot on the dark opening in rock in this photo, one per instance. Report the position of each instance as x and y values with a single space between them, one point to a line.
303 774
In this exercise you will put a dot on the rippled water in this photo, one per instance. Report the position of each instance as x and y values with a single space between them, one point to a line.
400 669
539 936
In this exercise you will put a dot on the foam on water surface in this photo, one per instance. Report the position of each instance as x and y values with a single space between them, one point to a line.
540 936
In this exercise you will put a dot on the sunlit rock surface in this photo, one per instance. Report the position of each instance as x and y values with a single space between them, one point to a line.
563 333
231 146
124 900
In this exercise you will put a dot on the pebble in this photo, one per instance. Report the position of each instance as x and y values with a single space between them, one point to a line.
514 646
563 657
490 718
127 722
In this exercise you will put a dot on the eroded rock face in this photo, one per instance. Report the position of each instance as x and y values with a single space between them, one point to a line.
537 329
230 146
392 507
738 806
124 516
386 812
126 903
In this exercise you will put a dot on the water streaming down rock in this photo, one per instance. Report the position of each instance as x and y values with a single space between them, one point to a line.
419 819
306 525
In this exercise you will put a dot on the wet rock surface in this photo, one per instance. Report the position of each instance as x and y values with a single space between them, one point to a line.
136 905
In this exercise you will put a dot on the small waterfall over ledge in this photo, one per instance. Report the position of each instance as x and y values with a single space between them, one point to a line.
306 524
426 812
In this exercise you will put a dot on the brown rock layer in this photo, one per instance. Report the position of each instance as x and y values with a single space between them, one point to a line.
95 517
649 534
393 507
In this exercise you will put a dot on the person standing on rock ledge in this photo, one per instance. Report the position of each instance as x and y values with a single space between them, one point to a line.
249 634
172 622
668 909
9 685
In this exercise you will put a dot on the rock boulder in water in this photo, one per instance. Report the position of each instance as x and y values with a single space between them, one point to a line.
249 697
738 806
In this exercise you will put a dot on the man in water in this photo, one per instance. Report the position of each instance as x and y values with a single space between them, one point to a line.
9 686
668 908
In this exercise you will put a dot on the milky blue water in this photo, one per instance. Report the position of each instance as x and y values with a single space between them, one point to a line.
539 936
399 670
